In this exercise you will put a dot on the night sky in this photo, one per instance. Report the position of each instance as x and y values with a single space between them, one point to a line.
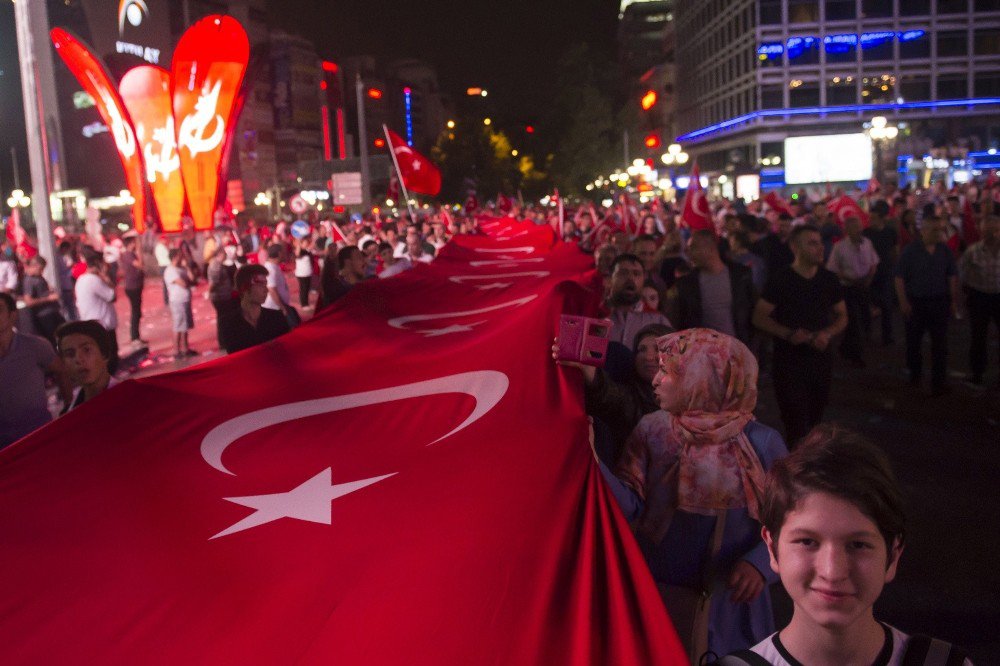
510 48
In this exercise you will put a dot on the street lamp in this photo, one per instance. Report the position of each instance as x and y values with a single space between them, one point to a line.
674 155
18 199
881 133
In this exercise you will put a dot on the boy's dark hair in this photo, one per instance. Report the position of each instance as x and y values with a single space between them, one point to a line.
245 274
8 301
838 461
344 255
797 232
173 254
626 258
90 328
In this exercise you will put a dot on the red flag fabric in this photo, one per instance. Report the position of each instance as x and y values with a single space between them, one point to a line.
629 215
844 207
776 202
873 186
696 212
423 495
418 173
17 238
504 204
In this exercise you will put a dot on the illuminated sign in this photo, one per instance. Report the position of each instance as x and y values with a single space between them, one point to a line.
207 72
829 158
97 83
842 43
770 50
145 91
408 106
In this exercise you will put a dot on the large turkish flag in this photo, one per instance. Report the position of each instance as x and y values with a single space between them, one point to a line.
406 479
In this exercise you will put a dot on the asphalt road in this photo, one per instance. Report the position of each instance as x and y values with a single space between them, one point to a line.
946 452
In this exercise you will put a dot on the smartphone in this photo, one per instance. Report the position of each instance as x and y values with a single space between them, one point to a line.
584 340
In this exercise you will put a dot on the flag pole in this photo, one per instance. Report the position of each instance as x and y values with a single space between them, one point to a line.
402 185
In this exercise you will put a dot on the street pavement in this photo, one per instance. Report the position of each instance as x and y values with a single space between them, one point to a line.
945 450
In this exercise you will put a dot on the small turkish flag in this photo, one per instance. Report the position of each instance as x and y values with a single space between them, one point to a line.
696 213
776 202
844 207
417 172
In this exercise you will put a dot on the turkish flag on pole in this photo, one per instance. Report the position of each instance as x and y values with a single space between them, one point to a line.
416 171
844 207
696 212
424 495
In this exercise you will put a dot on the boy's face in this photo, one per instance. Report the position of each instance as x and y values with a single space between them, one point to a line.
83 359
832 561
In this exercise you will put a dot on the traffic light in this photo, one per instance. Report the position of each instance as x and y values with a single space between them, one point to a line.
652 140
375 93
530 129
379 142
648 100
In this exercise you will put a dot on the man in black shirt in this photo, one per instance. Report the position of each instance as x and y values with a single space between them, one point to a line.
44 303
927 288
135 278
251 324
803 308
883 238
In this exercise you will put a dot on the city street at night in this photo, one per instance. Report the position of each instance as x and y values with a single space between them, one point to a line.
636 333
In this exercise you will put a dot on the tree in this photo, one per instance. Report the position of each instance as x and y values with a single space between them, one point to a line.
477 152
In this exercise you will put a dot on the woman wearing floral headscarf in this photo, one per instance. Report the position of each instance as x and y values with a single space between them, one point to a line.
690 481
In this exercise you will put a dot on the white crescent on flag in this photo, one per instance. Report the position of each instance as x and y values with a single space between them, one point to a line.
401 322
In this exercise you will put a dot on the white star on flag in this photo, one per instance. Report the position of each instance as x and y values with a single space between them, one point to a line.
309 501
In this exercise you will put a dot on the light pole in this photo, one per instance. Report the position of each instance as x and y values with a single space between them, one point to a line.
881 133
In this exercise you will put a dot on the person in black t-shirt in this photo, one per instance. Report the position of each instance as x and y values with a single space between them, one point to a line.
251 324
803 308
44 303
885 241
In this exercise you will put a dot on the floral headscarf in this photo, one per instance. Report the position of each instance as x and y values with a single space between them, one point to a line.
716 376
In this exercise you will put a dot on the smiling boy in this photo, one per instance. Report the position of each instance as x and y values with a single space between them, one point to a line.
834 525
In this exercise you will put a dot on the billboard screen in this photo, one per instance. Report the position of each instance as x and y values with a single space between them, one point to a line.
829 158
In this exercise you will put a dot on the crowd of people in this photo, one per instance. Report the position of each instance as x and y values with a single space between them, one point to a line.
719 506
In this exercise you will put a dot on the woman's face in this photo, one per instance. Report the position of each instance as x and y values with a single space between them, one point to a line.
666 387
646 359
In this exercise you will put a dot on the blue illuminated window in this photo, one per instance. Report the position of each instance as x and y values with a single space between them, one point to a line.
799 46
875 38
910 35
770 49
840 43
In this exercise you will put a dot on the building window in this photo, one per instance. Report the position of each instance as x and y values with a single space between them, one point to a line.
877 46
770 12
806 94
952 6
772 97
769 54
840 48
988 5
914 7
803 11
988 84
914 88
837 10
914 44
841 90
802 50
952 86
951 43
988 42
879 89
870 8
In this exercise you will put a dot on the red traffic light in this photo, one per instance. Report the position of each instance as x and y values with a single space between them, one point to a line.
652 140
380 143
529 129
375 93
648 100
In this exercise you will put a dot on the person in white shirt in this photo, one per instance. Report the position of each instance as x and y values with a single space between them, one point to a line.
854 260
178 281
278 296
304 270
95 299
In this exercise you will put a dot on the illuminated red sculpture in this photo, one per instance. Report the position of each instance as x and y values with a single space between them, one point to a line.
95 79
145 90
182 120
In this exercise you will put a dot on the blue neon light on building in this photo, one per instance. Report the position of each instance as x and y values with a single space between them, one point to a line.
842 43
408 104
844 108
